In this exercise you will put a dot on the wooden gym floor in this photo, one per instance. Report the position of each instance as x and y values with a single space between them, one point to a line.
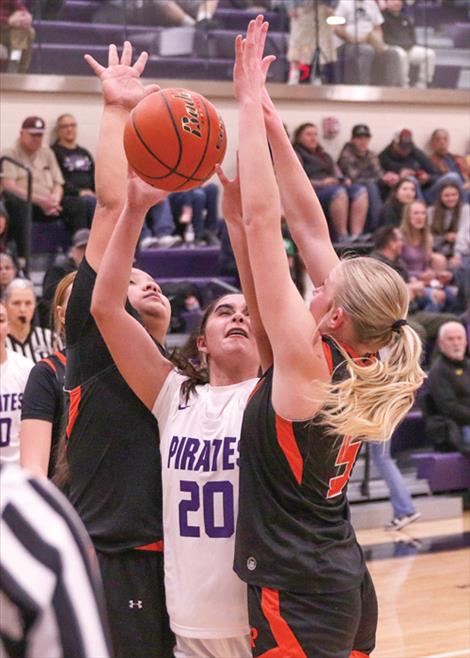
422 578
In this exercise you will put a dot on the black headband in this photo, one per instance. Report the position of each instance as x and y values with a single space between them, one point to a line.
398 324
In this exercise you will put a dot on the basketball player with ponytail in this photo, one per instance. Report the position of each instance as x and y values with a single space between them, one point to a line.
309 591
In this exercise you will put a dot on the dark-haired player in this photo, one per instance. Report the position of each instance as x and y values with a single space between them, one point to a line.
112 439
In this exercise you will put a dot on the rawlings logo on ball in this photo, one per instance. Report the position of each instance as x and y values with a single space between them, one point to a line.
190 123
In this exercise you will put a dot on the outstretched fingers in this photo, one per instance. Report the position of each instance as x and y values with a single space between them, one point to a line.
126 55
113 57
141 62
93 64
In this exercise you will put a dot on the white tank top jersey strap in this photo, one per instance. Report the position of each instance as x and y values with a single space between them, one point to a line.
200 467
14 373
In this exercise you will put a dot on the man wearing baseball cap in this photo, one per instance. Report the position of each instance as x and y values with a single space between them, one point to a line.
362 166
63 265
406 159
49 202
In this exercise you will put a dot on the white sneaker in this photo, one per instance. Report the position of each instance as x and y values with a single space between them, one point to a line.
149 242
400 522
168 241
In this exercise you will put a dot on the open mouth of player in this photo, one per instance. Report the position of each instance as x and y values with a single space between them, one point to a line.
237 332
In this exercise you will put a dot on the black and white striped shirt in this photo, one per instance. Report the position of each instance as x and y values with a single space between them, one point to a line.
51 603
39 343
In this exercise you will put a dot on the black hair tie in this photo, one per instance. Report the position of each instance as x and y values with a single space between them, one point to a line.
396 326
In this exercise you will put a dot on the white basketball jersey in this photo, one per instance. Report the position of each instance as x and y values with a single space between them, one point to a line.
199 448
14 373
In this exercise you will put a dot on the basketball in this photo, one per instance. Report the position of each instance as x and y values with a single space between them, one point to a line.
174 138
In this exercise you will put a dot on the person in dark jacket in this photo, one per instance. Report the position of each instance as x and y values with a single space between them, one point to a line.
345 204
406 159
399 32
76 163
447 408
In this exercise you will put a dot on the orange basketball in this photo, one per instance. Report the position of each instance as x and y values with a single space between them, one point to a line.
174 138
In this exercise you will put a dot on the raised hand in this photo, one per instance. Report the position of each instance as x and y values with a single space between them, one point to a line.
251 68
232 198
140 194
120 82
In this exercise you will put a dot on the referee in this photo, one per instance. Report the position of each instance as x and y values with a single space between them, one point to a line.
51 603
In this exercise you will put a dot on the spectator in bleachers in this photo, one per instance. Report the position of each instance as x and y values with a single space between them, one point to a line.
302 33
364 48
24 337
362 166
159 228
388 242
49 201
422 263
445 217
399 32
461 259
345 204
61 266
179 12
8 271
47 10
6 242
447 404
401 195
406 159
197 208
447 163
76 163
16 35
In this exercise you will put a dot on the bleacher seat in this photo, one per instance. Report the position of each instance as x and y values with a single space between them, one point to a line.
49 237
444 471
191 262
410 433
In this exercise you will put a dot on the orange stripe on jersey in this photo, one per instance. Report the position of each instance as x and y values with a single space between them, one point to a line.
74 397
328 355
62 358
287 643
49 363
288 445
358 654
257 386
156 546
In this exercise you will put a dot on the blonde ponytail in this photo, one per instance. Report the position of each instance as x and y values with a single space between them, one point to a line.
376 396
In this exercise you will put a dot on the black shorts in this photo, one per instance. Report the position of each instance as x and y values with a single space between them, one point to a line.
337 625
135 598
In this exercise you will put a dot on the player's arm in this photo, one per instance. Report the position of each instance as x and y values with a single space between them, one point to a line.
302 209
299 363
35 445
122 89
232 212
38 410
133 351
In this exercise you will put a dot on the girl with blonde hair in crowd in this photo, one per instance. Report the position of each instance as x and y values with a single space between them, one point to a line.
326 391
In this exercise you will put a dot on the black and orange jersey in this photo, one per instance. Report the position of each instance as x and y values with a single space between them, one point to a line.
294 531
44 399
112 438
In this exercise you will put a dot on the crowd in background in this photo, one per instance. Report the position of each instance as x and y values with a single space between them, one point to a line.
424 197
376 43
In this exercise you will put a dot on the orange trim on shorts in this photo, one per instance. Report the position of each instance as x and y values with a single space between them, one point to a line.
287 644
157 546
288 445
358 654
75 397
